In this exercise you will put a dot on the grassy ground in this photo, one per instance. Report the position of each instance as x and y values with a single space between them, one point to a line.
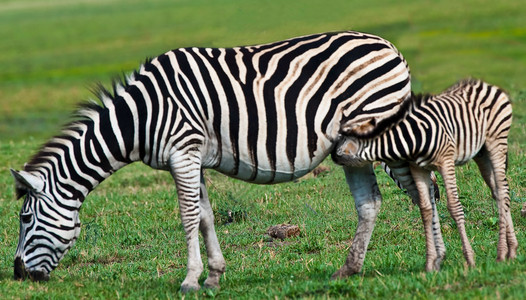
132 243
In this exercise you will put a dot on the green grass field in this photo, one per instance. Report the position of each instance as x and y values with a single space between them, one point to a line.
132 243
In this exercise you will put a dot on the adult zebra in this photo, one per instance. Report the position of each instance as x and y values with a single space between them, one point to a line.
265 114
470 120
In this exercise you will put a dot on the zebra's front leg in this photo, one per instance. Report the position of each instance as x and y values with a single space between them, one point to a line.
428 213
367 199
186 170
402 173
216 262
440 247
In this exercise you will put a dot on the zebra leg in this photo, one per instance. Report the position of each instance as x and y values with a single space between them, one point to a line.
437 233
403 167
401 173
367 199
447 170
495 178
216 262
422 182
186 170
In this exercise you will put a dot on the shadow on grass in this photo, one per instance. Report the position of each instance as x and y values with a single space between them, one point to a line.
6 274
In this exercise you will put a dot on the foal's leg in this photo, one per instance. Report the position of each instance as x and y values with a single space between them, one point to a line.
402 173
447 170
421 177
367 199
186 171
492 166
216 262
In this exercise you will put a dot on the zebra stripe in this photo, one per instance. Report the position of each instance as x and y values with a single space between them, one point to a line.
470 120
265 114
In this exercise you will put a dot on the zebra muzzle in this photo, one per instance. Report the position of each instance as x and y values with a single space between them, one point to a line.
20 270
21 273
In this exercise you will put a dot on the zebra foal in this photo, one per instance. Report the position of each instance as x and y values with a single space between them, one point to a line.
470 120
264 114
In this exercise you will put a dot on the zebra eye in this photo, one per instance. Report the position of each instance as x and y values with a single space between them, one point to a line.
26 218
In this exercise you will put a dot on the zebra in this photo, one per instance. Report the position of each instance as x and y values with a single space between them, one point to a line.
265 114
470 120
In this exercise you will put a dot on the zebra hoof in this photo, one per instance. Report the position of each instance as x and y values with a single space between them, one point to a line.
189 288
431 268
211 284
343 272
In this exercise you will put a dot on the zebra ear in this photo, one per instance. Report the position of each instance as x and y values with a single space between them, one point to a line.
25 181
363 129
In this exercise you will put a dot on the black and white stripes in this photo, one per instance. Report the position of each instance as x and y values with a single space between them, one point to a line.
470 120
265 114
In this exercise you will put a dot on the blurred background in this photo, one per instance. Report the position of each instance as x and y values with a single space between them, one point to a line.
53 51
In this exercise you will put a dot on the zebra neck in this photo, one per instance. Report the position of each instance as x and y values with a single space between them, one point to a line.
387 147
77 161
376 149
367 150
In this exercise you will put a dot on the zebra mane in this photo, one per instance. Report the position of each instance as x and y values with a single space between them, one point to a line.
83 116
382 125
419 99
465 83
416 100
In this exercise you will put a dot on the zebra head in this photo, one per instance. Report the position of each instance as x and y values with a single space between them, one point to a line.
48 228
348 152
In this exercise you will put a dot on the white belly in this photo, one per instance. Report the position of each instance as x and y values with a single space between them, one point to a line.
264 172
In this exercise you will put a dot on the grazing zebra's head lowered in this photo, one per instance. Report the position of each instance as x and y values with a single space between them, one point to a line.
43 222
264 114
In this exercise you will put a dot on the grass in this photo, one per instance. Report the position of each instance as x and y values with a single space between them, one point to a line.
132 243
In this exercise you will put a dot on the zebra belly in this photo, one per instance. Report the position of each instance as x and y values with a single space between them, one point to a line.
263 174
280 174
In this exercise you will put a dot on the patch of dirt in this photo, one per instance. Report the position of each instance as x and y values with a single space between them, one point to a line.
320 171
283 231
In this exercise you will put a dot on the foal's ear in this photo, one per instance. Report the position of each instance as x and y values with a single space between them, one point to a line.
360 129
25 181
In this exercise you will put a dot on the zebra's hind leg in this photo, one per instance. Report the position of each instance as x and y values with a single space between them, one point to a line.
401 173
492 167
447 170
428 212
186 170
367 199
216 262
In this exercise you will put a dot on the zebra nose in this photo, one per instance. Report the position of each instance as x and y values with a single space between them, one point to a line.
39 276
20 270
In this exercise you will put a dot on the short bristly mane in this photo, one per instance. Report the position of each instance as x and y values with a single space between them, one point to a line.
82 117
465 83
385 124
